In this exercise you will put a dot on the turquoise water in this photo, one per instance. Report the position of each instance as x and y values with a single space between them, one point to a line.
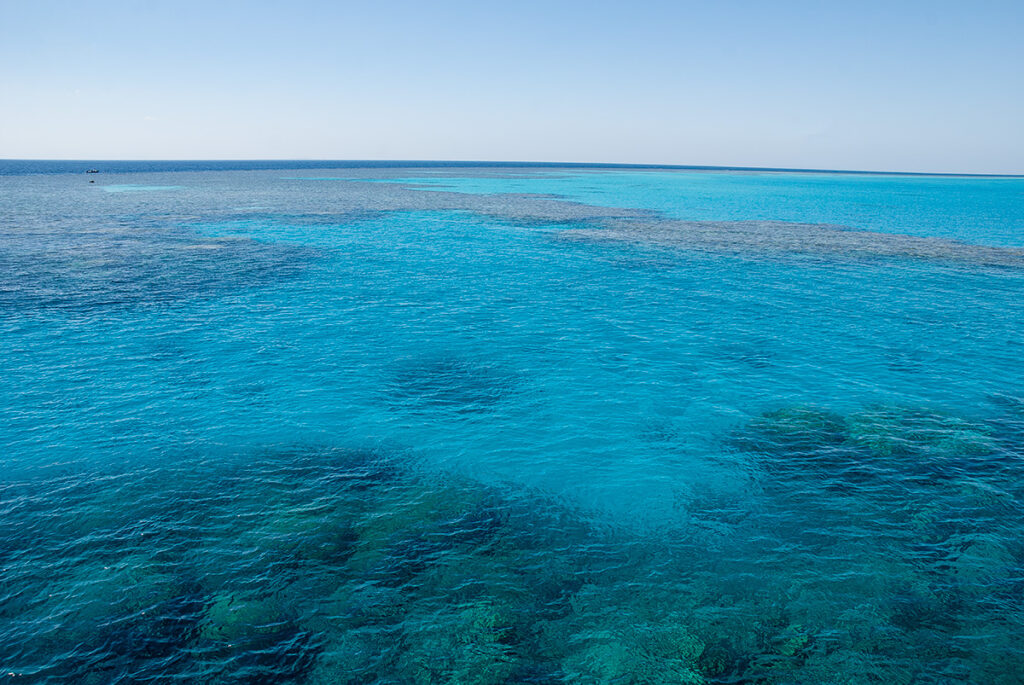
980 210
511 425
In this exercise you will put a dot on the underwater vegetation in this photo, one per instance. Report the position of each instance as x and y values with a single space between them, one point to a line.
330 565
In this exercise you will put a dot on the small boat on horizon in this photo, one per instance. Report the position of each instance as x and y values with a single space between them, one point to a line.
92 171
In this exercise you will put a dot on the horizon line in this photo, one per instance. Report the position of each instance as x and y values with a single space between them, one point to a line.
400 163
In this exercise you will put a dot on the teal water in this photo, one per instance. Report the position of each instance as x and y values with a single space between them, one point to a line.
494 425
979 210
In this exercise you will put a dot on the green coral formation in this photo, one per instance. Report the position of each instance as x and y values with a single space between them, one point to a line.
407 512
637 655
792 641
465 646
895 432
618 661
882 432
797 428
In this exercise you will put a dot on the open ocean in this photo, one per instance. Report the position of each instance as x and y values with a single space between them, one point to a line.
444 423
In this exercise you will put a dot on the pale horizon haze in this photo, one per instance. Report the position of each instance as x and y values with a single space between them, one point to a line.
904 86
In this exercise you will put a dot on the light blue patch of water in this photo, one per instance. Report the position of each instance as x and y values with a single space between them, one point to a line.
986 211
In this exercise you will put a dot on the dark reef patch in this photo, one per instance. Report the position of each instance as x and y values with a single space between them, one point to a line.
777 239
134 266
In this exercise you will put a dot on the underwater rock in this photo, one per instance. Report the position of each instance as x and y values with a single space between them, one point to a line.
163 630
120 267
533 673
616 635
604 661
480 523
926 608
354 657
792 640
676 642
800 430
308 571
408 557
133 616
356 604
988 500
627 660
895 432
289 659
234 616
467 576
324 473
306 532
878 449
799 445
847 667
455 522
405 513
258 636
719 662
982 562
333 469
467 646
1008 426
94 593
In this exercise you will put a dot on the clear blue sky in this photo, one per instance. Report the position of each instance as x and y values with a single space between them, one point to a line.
915 86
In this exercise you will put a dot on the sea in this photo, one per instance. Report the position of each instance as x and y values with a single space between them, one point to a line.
485 423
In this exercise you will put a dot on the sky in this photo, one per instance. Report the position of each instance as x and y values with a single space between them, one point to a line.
893 86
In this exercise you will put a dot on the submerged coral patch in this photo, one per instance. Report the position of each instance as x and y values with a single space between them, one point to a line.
324 565
117 268
774 239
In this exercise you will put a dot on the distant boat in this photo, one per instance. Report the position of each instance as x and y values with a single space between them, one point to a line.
92 171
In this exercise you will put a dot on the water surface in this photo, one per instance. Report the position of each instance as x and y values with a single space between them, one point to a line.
489 425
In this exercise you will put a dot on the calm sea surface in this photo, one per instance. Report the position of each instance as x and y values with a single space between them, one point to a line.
456 424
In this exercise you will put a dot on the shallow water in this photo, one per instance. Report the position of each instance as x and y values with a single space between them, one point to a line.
511 425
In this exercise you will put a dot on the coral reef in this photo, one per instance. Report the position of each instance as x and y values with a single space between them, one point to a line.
321 565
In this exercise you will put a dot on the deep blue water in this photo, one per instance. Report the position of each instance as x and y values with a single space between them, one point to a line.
456 424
